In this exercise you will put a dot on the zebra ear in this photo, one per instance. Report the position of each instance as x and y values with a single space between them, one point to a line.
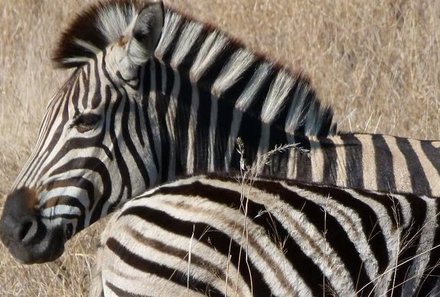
146 32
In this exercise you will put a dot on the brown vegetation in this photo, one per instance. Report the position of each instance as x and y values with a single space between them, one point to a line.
377 65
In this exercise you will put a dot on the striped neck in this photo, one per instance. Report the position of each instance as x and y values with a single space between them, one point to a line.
193 131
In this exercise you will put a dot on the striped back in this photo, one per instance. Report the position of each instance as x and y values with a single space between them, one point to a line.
153 95
217 236
364 161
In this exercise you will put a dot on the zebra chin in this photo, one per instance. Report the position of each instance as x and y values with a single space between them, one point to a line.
23 232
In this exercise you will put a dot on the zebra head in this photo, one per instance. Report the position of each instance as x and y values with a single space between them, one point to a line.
76 171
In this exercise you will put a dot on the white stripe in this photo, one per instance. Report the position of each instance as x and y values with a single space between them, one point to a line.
263 147
186 40
432 174
212 133
170 121
422 257
368 161
87 45
192 127
235 128
170 28
153 117
253 86
277 96
317 160
238 63
233 223
214 44
340 161
401 174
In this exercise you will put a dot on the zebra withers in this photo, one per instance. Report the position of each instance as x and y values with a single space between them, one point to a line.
153 95
219 236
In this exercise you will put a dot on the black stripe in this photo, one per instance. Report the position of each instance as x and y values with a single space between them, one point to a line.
215 67
432 152
137 118
432 271
170 50
384 164
303 160
330 166
258 213
85 79
95 165
419 181
233 92
128 140
202 132
122 166
369 218
181 124
353 156
162 103
223 130
64 102
145 103
250 133
410 241
120 292
159 269
188 61
278 162
209 236
290 100
335 234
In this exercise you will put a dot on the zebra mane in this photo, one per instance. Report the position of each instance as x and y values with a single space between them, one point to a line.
272 92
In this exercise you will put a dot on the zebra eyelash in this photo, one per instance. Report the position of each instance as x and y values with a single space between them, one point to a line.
84 122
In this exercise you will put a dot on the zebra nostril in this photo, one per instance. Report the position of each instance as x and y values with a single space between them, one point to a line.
25 230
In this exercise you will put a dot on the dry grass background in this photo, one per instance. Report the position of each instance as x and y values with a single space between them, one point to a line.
376 62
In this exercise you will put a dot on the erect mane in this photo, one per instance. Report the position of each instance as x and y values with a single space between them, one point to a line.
219 64
93 30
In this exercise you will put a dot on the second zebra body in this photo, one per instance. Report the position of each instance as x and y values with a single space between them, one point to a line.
218 236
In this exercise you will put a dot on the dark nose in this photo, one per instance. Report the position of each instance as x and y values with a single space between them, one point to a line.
18 223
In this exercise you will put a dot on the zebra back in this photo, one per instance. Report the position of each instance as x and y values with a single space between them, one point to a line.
222 236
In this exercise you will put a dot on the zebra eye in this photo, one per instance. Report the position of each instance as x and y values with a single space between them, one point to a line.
85 122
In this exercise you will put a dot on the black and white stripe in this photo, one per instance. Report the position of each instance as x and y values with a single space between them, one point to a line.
153 95
217 236
364 161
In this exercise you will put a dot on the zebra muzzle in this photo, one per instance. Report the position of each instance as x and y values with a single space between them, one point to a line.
23 233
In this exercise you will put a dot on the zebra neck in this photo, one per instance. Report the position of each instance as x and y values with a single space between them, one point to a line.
195 132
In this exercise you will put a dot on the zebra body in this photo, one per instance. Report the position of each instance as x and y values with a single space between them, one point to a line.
153 95
220 236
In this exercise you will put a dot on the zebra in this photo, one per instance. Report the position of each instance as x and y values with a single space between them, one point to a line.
217 235
153 95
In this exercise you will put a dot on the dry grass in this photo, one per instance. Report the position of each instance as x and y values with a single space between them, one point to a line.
377 65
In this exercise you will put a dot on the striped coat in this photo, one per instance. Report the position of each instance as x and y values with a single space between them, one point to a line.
220 236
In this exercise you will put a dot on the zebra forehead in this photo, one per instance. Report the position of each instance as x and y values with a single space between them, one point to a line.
94 29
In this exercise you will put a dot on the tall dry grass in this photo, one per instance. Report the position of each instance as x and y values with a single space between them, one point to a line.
378 65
